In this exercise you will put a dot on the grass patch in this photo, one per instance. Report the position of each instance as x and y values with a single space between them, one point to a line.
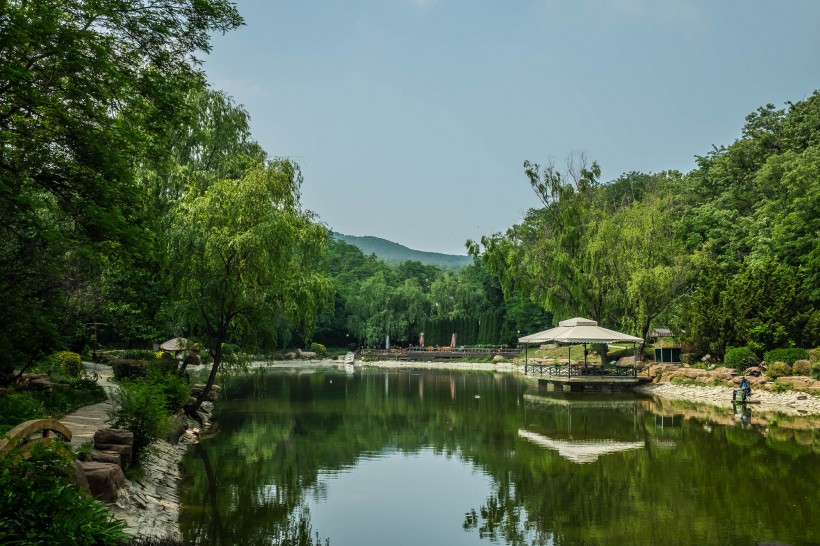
686 382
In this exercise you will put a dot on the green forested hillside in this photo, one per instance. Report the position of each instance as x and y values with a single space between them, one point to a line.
727 254
394 253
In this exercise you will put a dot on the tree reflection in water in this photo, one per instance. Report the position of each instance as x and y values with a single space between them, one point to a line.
284 438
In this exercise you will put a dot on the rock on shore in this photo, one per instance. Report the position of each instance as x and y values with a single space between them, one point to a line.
150 507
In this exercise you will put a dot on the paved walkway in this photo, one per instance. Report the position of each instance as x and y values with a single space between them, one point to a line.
84 422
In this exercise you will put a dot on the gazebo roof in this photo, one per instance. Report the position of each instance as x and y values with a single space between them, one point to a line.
175 344
577 330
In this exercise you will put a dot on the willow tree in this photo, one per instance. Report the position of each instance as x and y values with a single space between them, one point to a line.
652 258
242 256
560 255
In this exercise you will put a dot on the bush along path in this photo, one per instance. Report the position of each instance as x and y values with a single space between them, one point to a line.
149 504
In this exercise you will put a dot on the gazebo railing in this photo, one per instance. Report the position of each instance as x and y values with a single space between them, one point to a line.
579 370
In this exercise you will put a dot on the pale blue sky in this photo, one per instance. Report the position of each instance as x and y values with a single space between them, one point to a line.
411 119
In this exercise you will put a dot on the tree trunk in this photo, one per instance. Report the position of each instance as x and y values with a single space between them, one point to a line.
603 350
192 408
642 344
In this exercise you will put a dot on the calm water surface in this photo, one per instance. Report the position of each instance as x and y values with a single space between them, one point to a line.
449 458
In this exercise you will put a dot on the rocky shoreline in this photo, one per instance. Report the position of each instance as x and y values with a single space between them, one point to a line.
788 403
150 506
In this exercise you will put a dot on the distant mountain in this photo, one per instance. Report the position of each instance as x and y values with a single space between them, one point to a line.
394 253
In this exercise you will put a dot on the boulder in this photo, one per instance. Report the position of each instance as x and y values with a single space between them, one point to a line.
108 456
307 354
192 359
498 358
40 384
126 452
799 381
117 436
290 356
690 373
753 371
757 382
104 479
78 477
725 374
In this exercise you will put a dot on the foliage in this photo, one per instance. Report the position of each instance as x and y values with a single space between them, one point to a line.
124 368
90 89
230 348
788 355
70 362
815 370
319 349
740 358
175 389
140 407
242 256
17 407
146 355
781 386
40 505
801 367
778 369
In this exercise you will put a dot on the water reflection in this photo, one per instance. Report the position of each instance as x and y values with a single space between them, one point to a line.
479 457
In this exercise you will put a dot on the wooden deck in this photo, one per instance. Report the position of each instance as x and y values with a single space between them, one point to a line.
578 378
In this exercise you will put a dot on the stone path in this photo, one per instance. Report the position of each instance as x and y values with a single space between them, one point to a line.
150 507
84 422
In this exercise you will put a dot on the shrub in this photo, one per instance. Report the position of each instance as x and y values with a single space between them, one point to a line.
778 369
70 363
140 408
801 367
139 354
779 386
128 368
814 355
319 349
787 355
230 348
40 505
740 358
815 370
175 389
16 407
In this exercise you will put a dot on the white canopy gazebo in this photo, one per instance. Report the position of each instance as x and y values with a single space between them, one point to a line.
576 331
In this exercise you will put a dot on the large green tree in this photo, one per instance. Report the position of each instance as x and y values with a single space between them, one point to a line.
87 88
243 255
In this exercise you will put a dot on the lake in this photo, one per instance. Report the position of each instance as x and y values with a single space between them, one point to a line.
432 457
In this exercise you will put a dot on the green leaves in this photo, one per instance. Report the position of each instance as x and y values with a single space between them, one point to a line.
242 252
